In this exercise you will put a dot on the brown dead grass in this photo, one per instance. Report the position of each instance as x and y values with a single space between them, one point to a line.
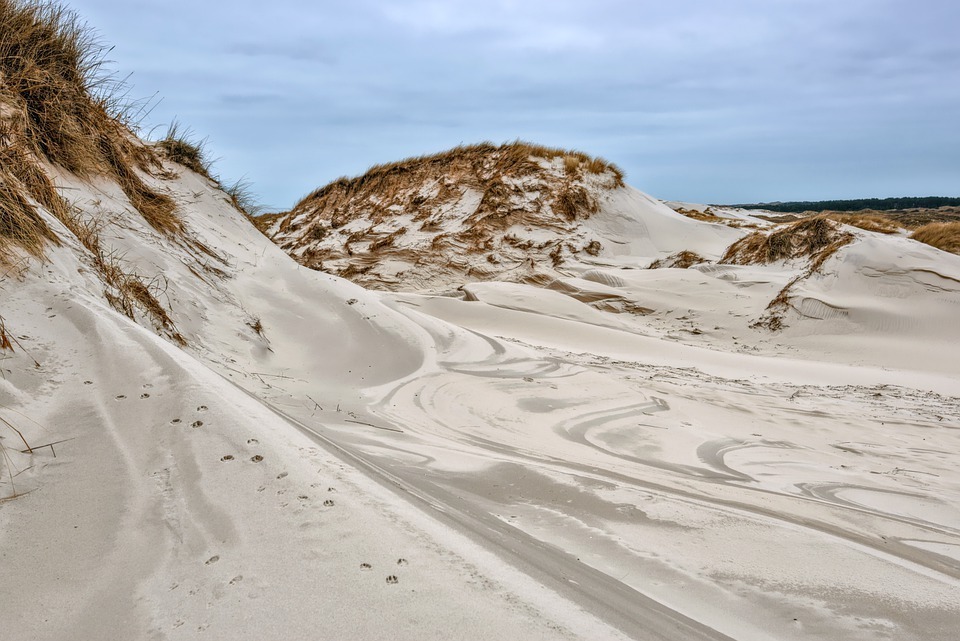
127 291
20 223
574 202
708 216
486 159
5 342
58 107
804 238
869 222
816 239
681 260
943 236
180 147
704 216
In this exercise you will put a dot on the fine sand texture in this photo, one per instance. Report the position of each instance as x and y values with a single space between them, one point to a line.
615 452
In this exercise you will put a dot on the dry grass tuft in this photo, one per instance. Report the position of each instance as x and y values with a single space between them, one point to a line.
128 292
681 260
869 222
486 159
469 202
804 238
706 216
24 186
574 202
20 223
816 239
242 197
180 147
5 342
57 106
943 236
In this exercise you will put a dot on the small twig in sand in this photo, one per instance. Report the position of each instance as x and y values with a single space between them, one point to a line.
50 445
315 403
19 433
389 429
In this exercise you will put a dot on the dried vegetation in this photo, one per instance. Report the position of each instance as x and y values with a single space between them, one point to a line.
681 260
869 222
812 239
179 146
59 110
944 236
513 186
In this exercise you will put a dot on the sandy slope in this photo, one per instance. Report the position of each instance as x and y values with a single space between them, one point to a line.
545 469
159 519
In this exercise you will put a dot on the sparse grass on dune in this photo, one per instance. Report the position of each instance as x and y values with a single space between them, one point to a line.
5 342
180 147
681 260
20 223
242 197
809 237
815 239
462 203
944 236
869 222
516 158
58 107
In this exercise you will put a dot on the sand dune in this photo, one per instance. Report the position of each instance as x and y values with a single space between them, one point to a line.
527 433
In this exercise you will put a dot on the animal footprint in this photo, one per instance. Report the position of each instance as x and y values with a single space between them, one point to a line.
213 559
365 567
282 475
256 459
175 421
401 562
331 489
88 382
144 395
121 397
392 579
202 408
252 441
228 457
196 424
237 579
328 503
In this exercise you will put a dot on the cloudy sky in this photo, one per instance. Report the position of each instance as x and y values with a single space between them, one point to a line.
698 100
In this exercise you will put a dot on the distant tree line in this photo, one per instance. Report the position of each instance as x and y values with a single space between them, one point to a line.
878 204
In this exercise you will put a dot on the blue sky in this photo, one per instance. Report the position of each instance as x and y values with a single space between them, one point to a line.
698 100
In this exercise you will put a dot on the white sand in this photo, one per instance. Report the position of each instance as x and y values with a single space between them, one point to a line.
545 469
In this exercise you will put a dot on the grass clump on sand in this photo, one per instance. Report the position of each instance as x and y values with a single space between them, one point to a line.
681 260
943 236
489 160
180 147
869 222
5 342
58 107
817 238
